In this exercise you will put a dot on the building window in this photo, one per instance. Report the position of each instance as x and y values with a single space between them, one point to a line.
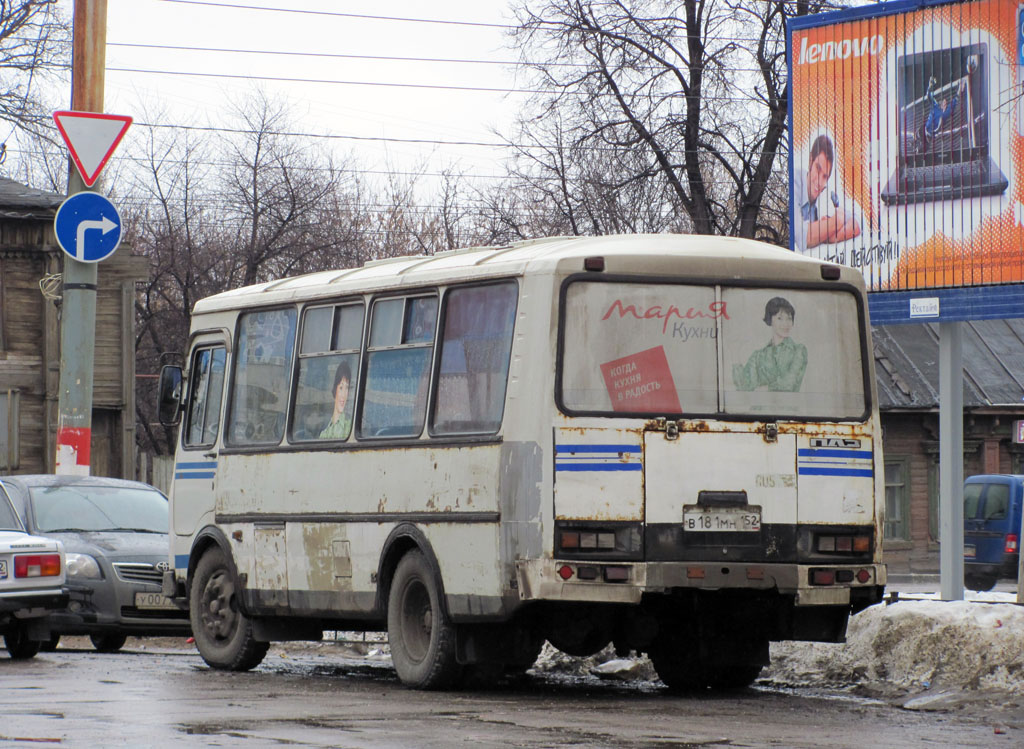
897 499
10 401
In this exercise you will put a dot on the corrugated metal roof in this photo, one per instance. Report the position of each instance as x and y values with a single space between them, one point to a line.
907 362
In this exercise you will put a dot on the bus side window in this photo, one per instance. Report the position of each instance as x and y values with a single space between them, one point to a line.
328 371
475 349
205 392
394 397
262 373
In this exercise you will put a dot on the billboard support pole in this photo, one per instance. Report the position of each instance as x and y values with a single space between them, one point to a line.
951 461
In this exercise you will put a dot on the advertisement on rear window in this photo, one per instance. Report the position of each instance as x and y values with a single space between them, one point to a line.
670 349
907 127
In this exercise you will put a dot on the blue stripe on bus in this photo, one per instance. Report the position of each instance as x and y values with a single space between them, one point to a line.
815 452
196 475
187 466
181 561
597 448
598 467
815 471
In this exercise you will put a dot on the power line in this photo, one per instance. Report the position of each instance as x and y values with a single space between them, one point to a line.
376 58
384 84
344 15
332 55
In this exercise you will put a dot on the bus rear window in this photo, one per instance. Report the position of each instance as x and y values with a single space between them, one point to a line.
679 349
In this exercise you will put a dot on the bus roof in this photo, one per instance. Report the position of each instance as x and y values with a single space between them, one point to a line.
643 253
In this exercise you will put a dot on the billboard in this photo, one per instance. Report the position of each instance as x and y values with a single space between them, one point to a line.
907 142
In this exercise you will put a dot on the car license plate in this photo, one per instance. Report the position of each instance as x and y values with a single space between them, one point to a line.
730 519
3 569
153 601
969 552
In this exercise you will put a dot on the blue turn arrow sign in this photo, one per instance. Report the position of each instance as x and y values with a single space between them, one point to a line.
88 227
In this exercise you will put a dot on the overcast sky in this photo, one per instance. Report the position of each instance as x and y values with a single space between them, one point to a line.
188 93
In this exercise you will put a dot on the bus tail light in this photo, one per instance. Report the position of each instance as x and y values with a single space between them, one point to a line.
37 565
823 577
863 576
565 572
1011 543
616 574
593 541
844 544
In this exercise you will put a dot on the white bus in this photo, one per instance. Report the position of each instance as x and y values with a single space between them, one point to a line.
666 443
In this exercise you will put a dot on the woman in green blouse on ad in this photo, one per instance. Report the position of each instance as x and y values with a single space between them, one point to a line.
780 365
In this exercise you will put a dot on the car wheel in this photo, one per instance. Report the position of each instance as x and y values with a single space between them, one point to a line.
108 643
421 636
223 633
980 583
18 645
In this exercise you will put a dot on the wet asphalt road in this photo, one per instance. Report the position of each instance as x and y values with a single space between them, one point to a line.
325 696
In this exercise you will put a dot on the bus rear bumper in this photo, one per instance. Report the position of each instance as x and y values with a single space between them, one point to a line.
628 582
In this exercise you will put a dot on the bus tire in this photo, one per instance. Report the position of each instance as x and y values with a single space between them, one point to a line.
421 636
223 633
678 668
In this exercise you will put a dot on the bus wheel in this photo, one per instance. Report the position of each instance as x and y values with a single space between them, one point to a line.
734 676
678 668
19 647
223 634
421 637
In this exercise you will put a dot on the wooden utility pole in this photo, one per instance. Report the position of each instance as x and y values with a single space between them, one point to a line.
78 306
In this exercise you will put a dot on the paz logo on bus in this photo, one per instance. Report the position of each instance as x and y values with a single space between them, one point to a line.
834 442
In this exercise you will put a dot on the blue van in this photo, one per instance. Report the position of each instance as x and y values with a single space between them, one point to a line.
992 528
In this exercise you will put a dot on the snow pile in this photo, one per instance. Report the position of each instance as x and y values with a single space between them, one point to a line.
900 648
911 646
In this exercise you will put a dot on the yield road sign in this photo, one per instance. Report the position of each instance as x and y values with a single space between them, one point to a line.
91 139
88 227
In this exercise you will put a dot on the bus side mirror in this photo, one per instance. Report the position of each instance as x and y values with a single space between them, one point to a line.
169 397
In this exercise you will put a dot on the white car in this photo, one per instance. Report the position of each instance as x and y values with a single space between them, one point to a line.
32 577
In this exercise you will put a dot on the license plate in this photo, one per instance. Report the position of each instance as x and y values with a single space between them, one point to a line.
3 569
716 519
153 601
969 552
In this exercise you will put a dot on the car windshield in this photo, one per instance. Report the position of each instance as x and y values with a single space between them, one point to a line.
98 508
8 517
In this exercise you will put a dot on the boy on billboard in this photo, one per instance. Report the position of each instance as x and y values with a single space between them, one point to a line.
812 229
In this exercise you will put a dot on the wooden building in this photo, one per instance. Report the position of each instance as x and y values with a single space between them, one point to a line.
30 267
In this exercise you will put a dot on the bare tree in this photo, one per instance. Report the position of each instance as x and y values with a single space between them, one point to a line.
275 194
35 50
690 94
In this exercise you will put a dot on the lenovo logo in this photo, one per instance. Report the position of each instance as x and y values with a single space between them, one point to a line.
840 50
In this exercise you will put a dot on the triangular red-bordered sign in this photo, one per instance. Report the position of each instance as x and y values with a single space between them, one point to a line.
91 138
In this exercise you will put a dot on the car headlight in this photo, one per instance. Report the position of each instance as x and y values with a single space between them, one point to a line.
83 566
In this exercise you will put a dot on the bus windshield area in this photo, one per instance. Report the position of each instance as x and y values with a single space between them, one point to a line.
673 349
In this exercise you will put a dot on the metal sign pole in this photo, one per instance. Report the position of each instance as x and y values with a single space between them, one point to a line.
78 306
951 461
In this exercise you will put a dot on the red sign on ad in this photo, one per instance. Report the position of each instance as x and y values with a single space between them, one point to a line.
642 383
